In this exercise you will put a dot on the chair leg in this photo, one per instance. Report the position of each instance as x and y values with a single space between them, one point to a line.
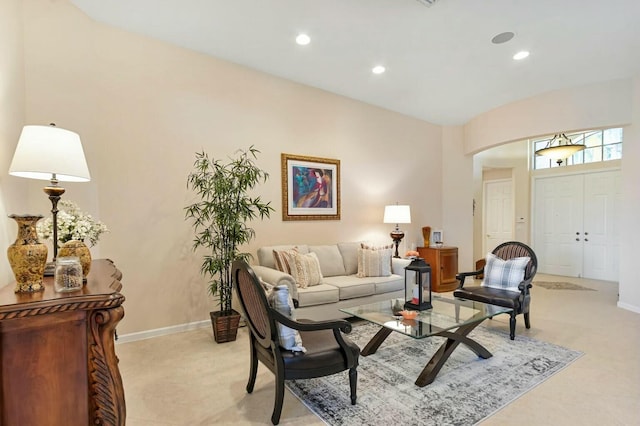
512 326
353 384
277 405
526 320
253 369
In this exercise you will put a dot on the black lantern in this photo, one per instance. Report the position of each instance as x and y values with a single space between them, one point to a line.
417 285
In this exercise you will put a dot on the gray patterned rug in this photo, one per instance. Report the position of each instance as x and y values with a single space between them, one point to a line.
560 285
467 390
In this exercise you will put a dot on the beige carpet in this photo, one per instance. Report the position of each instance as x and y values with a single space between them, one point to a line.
560 285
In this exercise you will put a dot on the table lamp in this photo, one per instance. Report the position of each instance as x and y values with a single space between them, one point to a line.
397 214
53 154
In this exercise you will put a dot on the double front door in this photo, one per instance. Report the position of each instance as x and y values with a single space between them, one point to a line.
576 224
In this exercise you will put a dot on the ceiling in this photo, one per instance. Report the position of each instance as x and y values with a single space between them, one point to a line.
441 65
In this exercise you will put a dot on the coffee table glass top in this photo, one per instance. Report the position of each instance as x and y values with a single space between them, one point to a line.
446 314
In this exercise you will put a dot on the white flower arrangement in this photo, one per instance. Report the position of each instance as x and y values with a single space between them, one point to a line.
73 224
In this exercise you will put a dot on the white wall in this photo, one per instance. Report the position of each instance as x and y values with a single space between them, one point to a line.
630 235
457 200
143 108
12 87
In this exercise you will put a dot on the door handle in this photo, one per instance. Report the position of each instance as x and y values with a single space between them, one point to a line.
577 233
586 239
586 233
577 239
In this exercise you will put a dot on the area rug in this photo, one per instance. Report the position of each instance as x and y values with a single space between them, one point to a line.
560 285
466 390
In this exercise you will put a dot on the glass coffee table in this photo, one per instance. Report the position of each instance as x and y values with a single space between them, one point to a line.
449 317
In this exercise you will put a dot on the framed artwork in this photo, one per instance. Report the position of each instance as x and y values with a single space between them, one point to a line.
436 237
310 188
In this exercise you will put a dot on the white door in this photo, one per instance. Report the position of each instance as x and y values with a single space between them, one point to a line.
558 225
498 213
602 196
576 225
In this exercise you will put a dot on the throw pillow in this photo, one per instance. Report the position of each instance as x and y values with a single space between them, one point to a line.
284 260
374 262
504 274
280 300
306 270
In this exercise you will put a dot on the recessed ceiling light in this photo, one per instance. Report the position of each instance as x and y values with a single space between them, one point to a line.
303 39
502 37
378 69
521 55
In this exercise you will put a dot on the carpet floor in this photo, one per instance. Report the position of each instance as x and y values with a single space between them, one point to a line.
467 389
560 285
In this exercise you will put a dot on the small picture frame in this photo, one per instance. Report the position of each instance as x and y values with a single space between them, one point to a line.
436 238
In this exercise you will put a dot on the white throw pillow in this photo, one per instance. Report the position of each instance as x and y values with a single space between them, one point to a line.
280 300
504 274
374 262
306 270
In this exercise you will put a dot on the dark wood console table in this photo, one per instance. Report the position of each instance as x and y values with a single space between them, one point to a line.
58 363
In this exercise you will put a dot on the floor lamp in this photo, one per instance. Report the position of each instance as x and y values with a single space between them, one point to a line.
397 214
53 154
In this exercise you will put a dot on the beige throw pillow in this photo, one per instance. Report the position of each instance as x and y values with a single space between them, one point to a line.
284 260
306 270
374 262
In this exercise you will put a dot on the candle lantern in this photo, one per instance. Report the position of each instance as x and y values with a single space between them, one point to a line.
417 285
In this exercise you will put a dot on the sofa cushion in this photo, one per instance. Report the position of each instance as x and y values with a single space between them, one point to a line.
504 274
306 270
265 254
318 295
388 284
349 252
330 259
351 286
374 262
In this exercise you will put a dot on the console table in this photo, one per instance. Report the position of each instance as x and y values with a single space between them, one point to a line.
57 352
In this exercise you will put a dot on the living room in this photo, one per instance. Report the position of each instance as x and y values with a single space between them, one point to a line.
144 107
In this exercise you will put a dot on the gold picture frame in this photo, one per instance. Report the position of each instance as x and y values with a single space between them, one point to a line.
310 188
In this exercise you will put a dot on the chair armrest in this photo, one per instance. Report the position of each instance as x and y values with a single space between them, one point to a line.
275 278
525 285
462 275
309 325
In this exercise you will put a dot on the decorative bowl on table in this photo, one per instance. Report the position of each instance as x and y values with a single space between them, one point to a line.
409 315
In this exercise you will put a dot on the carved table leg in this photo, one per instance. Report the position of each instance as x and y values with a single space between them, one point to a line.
105 383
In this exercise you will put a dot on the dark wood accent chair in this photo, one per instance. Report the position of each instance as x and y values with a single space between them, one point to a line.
328 352
518 301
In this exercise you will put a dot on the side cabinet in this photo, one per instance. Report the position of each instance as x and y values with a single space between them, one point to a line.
444 267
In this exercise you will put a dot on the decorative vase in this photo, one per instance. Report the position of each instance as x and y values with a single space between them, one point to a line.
426 235
27 255
80 250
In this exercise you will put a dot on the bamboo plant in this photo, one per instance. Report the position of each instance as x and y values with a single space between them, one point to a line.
221 215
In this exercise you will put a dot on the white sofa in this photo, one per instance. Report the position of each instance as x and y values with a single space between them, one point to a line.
340 286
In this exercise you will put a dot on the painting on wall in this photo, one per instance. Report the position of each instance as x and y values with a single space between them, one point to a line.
310 188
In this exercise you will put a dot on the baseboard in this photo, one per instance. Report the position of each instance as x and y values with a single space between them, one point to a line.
629 307
148 334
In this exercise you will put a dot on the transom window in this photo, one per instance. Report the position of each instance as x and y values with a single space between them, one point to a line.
601 145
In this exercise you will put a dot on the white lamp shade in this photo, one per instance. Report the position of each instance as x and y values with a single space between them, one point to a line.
45 150
397 214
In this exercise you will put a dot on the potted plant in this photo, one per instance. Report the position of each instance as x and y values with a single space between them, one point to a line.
220 224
